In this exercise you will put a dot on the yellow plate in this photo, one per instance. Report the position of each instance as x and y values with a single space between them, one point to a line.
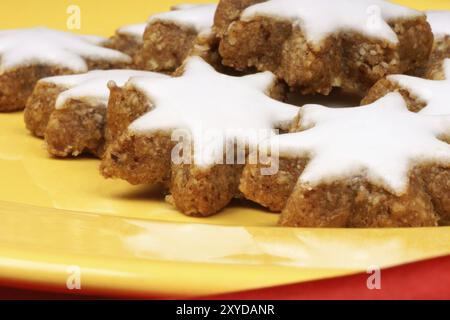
59 219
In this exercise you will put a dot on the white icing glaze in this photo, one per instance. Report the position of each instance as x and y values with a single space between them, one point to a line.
321 18
98 40
440 22
198 17
133 30
436 94
381 142
26 47
203 101
92 87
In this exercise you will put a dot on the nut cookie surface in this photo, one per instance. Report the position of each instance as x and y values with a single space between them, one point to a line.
128 39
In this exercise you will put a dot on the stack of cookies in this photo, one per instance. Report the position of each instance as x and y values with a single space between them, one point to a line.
195 100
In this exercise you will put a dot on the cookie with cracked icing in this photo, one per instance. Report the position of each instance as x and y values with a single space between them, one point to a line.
440 25
172 36
210 112
47 53
375 166
422 95
318 45
70 111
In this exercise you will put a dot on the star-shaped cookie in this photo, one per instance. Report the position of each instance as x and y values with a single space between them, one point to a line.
27 55
190 139
318 45
71 110
378 165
